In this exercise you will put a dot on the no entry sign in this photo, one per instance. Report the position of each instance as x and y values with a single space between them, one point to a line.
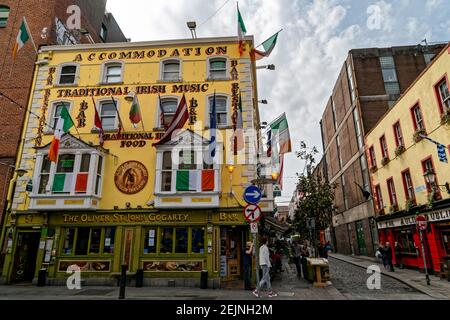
421 222
252 213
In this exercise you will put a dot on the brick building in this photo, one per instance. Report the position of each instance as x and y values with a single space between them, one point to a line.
46 20
369 83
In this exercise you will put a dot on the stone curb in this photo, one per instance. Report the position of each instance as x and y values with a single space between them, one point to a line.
436 296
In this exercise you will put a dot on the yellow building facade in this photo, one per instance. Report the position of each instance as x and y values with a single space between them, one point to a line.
403 155
158 208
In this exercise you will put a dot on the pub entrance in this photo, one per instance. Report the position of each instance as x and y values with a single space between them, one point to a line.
25 256
232 243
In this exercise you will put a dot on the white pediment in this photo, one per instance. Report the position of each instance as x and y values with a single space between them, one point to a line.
187 137
69 142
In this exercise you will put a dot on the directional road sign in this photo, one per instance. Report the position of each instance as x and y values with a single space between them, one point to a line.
252 194
252 213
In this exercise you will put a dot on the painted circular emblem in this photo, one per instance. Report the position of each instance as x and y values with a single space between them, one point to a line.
131 177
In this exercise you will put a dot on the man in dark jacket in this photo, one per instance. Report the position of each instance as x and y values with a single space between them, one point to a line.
398 255
388 256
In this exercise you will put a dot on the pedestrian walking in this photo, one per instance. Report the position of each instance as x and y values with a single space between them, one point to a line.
248 265
264 262
297 252
398 255
388 256
327 249
380 255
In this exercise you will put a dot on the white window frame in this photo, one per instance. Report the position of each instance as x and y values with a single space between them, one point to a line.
5 14
420 124
227 68
50 120
444 101
399 134
99 106
158 109
162 67
228 108
111 63
59 72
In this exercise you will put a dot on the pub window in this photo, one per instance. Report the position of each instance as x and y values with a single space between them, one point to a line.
69 237
384 149
108 245
171 70
108 115
168 108
166 240
417 118
392 194
398 135
82 244
63 178
406 240
446 241
56 113
44 175
198 240
221 110
4 14
187 160
112 73
373 160
443 96
83 174
150 240
166 173
96 237
68 74
408 186
98 180
181 244
218 68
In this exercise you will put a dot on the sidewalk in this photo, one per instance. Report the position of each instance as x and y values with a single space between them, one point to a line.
439 288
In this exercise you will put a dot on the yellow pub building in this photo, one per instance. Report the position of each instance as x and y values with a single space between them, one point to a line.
410 174
120 202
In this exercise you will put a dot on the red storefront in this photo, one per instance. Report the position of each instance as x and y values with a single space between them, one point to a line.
401 227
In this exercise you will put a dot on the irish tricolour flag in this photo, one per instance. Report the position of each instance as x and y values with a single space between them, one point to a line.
22 37
187 180
241 32
65 122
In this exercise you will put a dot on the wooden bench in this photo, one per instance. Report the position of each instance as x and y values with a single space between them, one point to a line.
129 276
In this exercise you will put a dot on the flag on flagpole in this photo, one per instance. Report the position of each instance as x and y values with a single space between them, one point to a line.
161 112
65 122
280 133
178 121
22 37
118 115
268 46
98 123
241 31
280 176
135 112
269 143
238 140
213 129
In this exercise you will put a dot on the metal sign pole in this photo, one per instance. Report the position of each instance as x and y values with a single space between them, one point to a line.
427 277
255 252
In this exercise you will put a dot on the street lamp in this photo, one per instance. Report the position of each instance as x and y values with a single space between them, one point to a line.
262 101
192 25
268 67
275 175
430 177
230 168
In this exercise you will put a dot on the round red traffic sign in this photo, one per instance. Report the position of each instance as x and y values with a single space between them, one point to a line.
421 222
252 213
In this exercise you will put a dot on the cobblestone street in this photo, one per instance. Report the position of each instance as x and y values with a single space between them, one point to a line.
350 280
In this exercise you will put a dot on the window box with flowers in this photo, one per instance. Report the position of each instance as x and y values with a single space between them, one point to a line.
409 204
373 169
417 135
399 150
393 209
445 117
384 161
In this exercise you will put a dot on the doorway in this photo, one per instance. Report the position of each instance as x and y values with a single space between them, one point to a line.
25 256
232 240
360 237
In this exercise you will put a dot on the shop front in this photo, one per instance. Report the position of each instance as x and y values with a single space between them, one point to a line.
401 227
173 245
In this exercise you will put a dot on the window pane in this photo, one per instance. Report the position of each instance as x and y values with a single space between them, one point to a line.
168 119
67 79
218 74
108 122
181 240
114 70
43 183
392 88
108 109
46 165
166 240
167 160
69 235
169 105
198 240
108 247
99 167
389 75
85 160
166 183
69 70
113 79
221 118
187 160
150 240
218 64
171 67
96 236
66 163
82 241
387 62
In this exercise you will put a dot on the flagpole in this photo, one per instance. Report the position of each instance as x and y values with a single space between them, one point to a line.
31 36
118 115
268 38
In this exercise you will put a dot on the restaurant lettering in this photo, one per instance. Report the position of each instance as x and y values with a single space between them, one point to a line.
125 218
411 220
149 54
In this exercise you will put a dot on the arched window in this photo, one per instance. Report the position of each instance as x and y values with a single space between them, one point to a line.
217 68
221 110
171 70
4 14
112 72
167 111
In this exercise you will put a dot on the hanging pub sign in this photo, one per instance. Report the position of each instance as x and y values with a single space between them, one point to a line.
131 177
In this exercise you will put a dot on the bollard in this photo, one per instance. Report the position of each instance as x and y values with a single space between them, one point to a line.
42 277
140 278
123 281
204 279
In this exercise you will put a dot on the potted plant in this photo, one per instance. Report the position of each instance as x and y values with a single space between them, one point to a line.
409 204
399 150
384 161
392 209
445 117
417 134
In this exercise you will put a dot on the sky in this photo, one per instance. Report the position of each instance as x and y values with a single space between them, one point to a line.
316 37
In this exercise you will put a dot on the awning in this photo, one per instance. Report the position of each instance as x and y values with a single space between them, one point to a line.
276 225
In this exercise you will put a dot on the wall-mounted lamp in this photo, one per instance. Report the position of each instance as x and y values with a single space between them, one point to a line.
262 101
275 175
129 97
128 205
430 177
21 172
268 67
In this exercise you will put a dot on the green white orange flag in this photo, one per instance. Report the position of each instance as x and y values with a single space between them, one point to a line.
238 136
65 122
268 46
280 132
135 112
22 37
241 32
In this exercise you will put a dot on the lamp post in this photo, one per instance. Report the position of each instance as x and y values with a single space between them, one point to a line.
230 168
